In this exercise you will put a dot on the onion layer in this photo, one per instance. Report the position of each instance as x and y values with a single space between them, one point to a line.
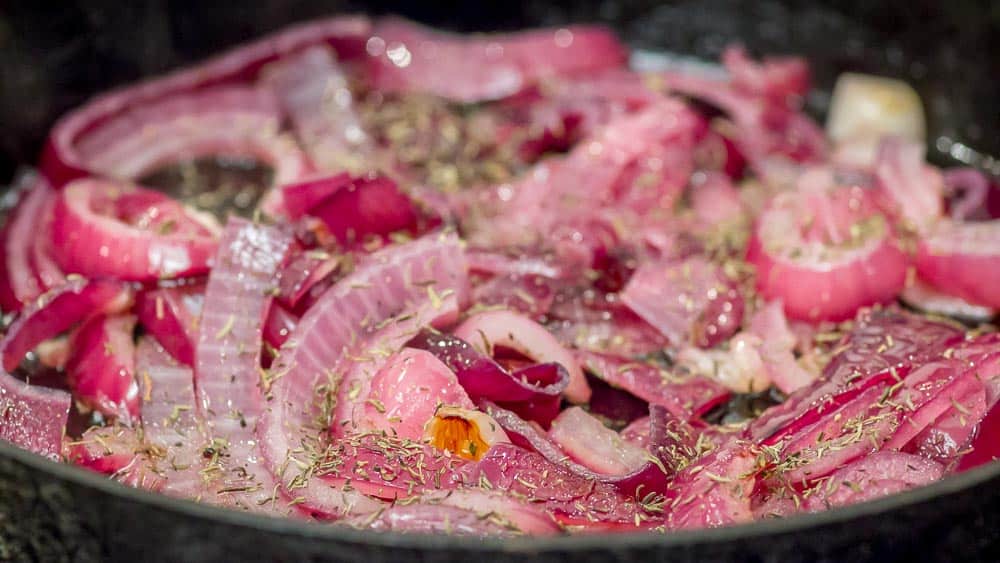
504 328
959 258
101 367
408 57
825 255
101 228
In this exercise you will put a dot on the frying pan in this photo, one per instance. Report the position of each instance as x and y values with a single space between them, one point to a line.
54 57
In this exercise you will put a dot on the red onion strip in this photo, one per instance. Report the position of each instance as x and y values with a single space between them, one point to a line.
227 368
19 283
505 328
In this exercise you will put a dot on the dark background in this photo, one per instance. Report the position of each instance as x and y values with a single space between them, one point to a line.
53 55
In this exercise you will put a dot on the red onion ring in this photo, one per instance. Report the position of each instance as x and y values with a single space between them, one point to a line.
19 282
975 188
97 232
409 57
313 91
61 161
383 287
853 260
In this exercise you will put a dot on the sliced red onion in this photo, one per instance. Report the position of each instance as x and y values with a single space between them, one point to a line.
915 190
985 445
429 518
224 121
396 282
956 258
715 201
279 325
354 394
171 315
714 491
528 295
613 404
101 367
371 206
948 438
49 273
59 310
685 397
876 475
409 57
19 282
62 160
170 421
619 331
873 420
370 466
460 512
497 264
35 417
96 232
882 343
110 450
935 388
571 498
304 270
563 110
922 296
588 442
499 507
688 299
785 80
227 370
505 328
776 349
825 255
763 128
569 198
178 457
313 90
536 399
298 198
649 477
637 432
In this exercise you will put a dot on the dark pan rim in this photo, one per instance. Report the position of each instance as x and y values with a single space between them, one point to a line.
584 542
